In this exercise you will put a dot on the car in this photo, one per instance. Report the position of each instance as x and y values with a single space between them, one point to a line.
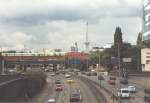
123 93
147 95
88 74
94 73
59 87
131 89
68 76
76 73
147 98
70 80
57 81
124 81
57 73
83 73
47 70
147 90
75 97
63 72
100 77
51 101
52 74
112 78
111 82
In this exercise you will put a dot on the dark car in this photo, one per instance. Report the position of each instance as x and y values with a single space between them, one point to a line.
75 97
94 73
124 81
58 81
147 98
112 78
100 77
57 73
147 90
63 72
88 74
83 73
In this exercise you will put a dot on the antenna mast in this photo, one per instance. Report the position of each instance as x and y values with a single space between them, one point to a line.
87 43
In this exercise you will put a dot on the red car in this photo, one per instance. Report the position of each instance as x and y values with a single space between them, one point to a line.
59 87
111 82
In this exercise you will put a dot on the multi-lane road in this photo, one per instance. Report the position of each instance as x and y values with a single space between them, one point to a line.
87 91
134 98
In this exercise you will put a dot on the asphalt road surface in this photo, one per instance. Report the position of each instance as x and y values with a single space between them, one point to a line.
135 97
63 96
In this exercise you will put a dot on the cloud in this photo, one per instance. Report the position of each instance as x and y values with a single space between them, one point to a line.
60 23
33 12
15 40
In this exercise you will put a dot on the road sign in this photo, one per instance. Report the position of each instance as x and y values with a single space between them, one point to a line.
127 60
114 60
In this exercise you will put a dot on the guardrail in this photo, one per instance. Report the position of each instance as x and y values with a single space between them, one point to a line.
113 95
10 81
139 74
94 89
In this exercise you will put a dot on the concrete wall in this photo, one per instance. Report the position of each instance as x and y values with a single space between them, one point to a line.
21 88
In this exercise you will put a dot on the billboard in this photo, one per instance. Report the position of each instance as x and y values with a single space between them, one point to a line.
146 20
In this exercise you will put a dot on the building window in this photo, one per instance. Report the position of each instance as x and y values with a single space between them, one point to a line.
148 53
147 56
147 61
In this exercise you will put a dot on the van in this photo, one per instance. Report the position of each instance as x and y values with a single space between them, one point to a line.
124 93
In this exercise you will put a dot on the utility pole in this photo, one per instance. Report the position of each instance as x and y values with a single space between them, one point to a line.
3 66
119 67
75 58
87 63
99 56
100 67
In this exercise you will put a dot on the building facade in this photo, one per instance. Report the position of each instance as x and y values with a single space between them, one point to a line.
146 21
145 59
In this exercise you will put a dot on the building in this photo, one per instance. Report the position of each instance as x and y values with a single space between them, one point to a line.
146 21
145 59
95 49
76 60
73 48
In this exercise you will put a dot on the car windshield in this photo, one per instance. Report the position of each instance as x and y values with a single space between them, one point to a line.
125 91
74 95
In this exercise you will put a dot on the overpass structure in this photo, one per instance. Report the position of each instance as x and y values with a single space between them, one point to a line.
6 61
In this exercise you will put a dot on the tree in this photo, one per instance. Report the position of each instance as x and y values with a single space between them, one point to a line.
94 57
118 36
139 41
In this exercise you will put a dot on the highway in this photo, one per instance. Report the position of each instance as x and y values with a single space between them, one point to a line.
87 91
135 97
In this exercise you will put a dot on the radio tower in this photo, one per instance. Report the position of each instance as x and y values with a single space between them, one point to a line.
87 43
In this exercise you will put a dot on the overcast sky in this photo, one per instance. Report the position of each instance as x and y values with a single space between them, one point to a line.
48 24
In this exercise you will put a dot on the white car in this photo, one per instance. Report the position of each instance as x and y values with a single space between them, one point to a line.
124 93
68 76
131 89
52 74
51 101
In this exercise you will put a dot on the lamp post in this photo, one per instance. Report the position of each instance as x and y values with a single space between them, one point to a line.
99 63
119 67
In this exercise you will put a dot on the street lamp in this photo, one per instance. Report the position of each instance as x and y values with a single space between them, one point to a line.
100 49
119 67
